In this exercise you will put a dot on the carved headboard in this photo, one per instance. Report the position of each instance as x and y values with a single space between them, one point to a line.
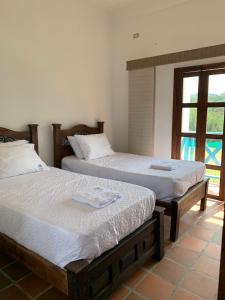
31 135
62 147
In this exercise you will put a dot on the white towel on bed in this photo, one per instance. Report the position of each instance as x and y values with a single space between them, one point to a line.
97 197
163 167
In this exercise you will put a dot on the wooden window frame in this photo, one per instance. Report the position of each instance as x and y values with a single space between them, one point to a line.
203 71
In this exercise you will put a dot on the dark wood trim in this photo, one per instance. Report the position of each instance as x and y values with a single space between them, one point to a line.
221 293
213 167
203 71
97 280
61 145
182 56
30 135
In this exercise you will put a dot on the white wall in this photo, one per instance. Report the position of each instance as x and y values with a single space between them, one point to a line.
54 65
164 26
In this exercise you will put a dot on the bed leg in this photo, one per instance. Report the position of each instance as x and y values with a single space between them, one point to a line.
175 222
203 203
204 199
159 213
76 276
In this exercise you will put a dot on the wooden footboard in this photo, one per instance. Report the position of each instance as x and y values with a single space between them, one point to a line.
100 278
97 280
177 207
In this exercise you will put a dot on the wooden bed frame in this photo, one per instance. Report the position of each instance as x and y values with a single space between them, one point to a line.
175 208
81 280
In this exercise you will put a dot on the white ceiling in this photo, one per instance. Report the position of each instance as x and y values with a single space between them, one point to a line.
154 4
112 3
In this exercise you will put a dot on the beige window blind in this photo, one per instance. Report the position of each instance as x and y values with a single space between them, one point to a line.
141 111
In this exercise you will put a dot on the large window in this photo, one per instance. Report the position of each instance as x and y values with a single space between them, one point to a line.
198 121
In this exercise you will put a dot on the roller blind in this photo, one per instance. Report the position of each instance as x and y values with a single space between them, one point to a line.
141 111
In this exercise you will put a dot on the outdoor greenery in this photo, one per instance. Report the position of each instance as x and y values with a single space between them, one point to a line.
215 123
215 116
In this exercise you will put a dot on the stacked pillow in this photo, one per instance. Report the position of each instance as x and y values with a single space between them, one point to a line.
90 146
19 157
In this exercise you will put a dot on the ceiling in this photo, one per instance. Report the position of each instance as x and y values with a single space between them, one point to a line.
114 4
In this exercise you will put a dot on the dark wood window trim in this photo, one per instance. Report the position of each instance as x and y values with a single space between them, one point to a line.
176 57
203 71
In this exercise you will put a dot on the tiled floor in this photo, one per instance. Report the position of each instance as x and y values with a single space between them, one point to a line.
189 270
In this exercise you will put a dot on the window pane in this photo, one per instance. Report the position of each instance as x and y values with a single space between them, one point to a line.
189 119
214 181
216 91
188 146
190 89
213 152
215 120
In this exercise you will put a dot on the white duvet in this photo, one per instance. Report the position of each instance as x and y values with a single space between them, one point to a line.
38 212
136 169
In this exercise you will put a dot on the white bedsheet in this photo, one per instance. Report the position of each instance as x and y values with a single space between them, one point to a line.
136 169
38 212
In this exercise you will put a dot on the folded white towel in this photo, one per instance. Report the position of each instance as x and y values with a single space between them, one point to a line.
163 167
97 197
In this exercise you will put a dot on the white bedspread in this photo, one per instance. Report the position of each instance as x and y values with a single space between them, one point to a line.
136 169
38 212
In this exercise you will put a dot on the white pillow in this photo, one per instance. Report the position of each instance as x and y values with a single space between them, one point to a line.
94 145
75 146
19 160
14 143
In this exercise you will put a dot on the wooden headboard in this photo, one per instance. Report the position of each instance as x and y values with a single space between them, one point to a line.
62 147
31 135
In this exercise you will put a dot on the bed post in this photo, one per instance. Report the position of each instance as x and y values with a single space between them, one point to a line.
175 221
56 144
101 127
204 199
77 276
34 135
159 213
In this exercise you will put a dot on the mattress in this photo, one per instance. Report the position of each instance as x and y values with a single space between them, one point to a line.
136 169
38 212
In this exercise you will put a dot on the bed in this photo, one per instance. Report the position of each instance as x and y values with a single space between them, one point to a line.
177 190
85 253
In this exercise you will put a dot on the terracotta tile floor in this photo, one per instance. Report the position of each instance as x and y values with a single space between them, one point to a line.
189 270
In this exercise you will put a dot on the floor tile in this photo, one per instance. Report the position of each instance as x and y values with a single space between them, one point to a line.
200 285
207 266
201 233
134 279
4 282
217 237
133 296
53 294
181 255
169 270
33 285
193 244
181 294
191 217
16 271
119 294
155 288
4 260
213 250
12 293
183 228
208 224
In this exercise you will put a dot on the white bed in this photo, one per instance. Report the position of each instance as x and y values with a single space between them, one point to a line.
37 211
136 169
